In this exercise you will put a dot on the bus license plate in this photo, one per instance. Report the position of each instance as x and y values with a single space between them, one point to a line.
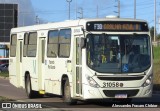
121 96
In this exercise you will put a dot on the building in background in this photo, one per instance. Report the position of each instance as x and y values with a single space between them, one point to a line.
8 20
13 13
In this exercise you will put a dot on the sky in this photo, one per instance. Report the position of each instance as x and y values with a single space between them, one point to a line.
57 10
45 11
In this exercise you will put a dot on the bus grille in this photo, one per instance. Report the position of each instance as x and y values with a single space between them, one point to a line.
112 93
130 78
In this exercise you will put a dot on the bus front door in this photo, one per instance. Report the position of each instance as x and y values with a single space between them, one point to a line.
78 67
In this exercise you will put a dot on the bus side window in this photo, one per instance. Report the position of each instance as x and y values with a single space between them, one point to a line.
32 44
52 45
25 44
64 42
13 45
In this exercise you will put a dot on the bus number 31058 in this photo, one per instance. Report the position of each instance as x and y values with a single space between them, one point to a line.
112 84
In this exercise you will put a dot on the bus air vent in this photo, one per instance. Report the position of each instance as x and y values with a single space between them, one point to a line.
112 93
129 78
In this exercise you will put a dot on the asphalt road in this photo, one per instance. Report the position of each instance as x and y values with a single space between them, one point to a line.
55 103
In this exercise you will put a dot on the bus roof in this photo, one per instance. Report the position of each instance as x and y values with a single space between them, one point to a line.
68 23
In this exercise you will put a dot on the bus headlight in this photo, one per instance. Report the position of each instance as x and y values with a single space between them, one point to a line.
148 81
92 82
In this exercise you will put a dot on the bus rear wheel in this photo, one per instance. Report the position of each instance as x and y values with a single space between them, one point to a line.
67 94
29 91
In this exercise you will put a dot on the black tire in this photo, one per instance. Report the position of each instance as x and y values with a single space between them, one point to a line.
67 94
29 91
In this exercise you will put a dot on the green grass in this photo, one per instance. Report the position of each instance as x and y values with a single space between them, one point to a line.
156 51
4 74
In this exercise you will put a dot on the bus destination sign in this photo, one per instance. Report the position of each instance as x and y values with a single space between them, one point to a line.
117 26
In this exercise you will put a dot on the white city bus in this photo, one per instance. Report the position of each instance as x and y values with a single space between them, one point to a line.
83 59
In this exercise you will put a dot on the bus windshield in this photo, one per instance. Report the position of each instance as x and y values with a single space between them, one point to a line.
118 53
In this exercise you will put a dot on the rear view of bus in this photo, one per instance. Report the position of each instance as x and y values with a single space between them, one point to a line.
118 59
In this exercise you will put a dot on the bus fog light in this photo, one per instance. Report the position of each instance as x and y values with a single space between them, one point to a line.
148 81
92 82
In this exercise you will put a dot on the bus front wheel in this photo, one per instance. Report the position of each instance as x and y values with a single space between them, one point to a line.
67 94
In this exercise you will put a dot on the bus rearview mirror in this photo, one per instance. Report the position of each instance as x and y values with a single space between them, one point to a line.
83 42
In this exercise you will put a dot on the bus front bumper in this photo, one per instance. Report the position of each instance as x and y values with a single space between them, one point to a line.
104 93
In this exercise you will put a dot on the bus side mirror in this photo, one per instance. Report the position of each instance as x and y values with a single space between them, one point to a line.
83 43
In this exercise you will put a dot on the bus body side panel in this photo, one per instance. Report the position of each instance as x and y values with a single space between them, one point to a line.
12 71
55 68
29 66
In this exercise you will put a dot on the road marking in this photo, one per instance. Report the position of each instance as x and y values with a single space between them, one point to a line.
4 85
